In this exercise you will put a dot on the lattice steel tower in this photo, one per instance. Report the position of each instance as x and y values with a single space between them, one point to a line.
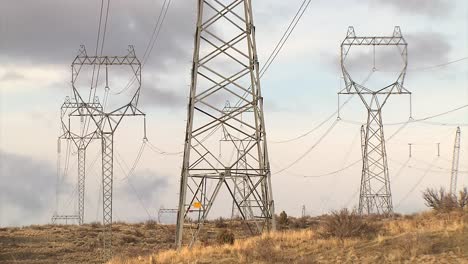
241 165
375 193
107 122
81 139
225 67
455 161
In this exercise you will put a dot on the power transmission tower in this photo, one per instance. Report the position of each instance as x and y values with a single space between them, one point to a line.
56 216
225 67
375 194
70 109
455 160
241 166
107 122
163 211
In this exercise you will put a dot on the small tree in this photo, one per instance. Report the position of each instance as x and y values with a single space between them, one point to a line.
220 223
225 237
440 200
463 198
345 224
283 219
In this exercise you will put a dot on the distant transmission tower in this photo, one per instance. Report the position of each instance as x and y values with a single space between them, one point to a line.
241 166
106 122
71 108
375 194
225 67
455 160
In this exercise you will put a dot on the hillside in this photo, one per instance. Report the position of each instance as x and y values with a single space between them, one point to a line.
422 238
82 244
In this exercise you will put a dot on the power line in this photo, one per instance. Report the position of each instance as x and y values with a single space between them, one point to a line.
413 120
417 183
353 163
130 173
310 148
438 65
279 46
285 36
151 43
313 129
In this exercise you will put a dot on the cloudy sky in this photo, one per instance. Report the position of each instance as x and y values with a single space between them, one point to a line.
39 39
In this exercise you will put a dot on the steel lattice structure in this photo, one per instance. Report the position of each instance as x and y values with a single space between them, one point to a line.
71 108
240 168
455 161
375 193
225 67
107 123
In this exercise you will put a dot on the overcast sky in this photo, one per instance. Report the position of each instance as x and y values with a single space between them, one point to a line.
39 39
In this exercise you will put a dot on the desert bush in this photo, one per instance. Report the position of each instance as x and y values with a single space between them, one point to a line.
345 224
283 220
299 222
151 224
95 224
225 237
220 223
441 201
138 233
129 239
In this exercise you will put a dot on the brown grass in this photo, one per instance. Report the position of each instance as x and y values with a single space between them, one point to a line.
420 238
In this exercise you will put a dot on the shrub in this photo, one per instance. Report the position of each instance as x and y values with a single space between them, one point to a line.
441 201
225 237
344 224
151 224
95 224
129 239
220 223
283 219
299 222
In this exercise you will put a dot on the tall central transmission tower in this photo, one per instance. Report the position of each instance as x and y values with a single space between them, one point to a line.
107 122
225 67
375 193
455 161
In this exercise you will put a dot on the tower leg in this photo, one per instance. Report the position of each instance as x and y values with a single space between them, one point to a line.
375 196
107 181
81 183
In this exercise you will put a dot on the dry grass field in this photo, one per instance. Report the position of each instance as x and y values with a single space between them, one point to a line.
82 244
422 238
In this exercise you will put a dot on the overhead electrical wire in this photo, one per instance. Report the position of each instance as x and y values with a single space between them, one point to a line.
279 46
437 65
426 172
151 43
130 172
310 148
285 37
313 129
352 163
414 120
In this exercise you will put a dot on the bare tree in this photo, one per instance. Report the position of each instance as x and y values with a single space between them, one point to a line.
440 200
463 198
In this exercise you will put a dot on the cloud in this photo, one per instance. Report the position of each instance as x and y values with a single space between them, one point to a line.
26 189
146 187
12 76
431 8
50 32
151 96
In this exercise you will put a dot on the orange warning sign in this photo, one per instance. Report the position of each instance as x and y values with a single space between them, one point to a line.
197 205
